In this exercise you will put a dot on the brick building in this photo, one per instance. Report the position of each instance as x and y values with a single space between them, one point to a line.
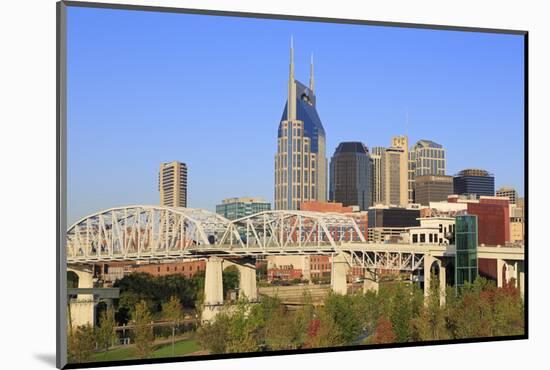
186 268
493 217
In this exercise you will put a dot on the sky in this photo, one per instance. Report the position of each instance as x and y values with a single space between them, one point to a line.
145 88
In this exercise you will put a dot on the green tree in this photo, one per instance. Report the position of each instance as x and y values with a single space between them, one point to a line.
106 333
230 279
236 329
80 343
401 312
324 332
143 331
172 311
431 323
344 311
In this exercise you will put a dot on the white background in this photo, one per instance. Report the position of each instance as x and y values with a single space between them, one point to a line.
27 181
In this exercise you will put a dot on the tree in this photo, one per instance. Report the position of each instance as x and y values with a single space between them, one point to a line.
324 332
143 331
430 323
384 332
230 279
106 333
172 311
236 329
80 344
345 313
401 313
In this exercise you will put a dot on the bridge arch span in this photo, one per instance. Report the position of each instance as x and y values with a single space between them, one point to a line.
142 231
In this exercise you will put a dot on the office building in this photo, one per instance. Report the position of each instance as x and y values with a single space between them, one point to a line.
172 184
474 182
378 189
351 175
233 208
432 188
426 157
399 145
509 192
300 162
392 173
390 223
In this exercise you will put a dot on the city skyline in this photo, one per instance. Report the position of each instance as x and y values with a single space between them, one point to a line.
146 114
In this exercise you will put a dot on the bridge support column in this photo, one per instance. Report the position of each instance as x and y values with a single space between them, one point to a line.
339 274
247 282
82 309
428 262
442 283
521 278
502 273
370 282
213 288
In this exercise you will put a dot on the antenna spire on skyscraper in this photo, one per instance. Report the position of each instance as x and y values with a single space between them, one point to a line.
291 108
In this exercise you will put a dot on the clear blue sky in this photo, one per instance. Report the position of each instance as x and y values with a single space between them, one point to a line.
146 88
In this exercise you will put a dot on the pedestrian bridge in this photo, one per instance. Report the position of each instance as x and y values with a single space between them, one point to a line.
155 232
148 233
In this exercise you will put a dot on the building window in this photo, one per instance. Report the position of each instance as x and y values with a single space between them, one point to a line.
431 238
415 238
422 238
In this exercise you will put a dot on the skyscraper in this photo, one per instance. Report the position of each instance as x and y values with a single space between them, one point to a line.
300 162
351 175
377 155
402 142
474 181
173 184
392 176
432 188
425 158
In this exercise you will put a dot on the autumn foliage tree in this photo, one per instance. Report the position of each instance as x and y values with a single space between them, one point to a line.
384 332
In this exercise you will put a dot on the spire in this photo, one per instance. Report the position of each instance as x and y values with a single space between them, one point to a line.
291 58
291 104
311 78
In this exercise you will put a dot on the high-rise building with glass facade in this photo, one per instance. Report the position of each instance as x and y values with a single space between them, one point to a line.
425 158
233 208
173 184
474 181
351 175
300 162
466 269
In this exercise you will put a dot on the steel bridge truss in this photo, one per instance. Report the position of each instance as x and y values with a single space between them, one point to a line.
156 232
291 229
385 260
141 232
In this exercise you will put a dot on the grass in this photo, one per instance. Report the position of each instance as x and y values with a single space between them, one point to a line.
181 348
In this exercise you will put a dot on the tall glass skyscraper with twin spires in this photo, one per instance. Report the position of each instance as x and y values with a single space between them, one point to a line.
300 162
